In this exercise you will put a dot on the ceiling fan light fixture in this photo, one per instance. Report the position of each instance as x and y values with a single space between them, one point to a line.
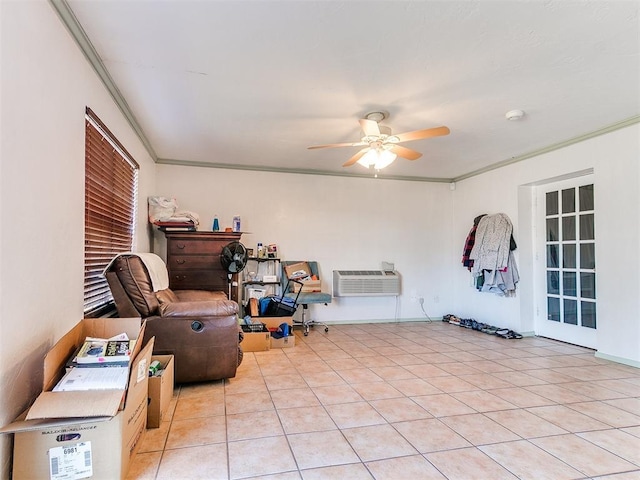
377 158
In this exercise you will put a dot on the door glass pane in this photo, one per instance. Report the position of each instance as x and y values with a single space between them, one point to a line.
569 200
587 230
552 230
569 255
587 285
569 228
571 312
588 314
586 197
569 284
553 309
553 282
552 256
552 203
588 256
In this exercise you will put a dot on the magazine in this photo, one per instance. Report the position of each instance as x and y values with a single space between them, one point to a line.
97 350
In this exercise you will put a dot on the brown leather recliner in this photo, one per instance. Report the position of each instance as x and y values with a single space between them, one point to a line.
198 327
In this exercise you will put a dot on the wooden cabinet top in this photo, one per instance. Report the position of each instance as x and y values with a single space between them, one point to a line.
229 236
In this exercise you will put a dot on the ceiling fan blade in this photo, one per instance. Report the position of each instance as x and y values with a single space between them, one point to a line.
369 127
333 145
420 134
405 152
356 157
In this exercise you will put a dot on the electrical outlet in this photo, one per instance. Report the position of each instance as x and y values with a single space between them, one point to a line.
421 301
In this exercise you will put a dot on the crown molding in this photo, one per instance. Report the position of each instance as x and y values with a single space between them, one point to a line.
299 171
556 146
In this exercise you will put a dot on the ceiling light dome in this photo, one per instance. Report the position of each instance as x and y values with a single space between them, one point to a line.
514 115
376 116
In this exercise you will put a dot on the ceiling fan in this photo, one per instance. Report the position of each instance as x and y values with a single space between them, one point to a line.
381 147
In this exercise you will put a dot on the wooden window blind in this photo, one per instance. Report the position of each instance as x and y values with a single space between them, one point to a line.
111 191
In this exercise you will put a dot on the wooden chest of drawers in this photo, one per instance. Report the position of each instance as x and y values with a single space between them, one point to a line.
193 261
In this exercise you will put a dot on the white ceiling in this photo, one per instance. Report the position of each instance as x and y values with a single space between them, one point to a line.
254 83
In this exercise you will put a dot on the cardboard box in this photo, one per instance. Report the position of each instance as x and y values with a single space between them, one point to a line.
284 342
307 286
160 391
302 272
298 270
84 434
255 342
273 323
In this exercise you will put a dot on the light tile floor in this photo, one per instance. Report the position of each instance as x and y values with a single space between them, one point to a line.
404 401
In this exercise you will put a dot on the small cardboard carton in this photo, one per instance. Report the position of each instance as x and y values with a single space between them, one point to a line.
302 273
273 323
255 342
160 391
256 336
84 434
284 342
297 270
309 285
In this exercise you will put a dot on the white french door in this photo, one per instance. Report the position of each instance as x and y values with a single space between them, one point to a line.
566 262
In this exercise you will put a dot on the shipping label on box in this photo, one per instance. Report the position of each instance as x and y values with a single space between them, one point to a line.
71 461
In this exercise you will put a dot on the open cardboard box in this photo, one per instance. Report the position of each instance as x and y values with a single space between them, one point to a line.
284 342
160 391
262 341
299 271
84 434
272 324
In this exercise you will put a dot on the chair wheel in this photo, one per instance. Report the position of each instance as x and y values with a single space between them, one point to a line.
306 334
326 330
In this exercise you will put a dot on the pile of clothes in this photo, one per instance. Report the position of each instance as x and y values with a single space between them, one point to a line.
488 255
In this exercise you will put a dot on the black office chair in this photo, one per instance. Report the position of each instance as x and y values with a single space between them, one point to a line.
305 298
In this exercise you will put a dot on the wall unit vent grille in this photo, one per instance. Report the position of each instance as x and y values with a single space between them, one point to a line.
365 283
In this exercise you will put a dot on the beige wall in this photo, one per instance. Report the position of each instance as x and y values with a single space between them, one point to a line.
613 158
343 223
46 84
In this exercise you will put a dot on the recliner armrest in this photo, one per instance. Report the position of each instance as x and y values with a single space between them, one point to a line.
205 308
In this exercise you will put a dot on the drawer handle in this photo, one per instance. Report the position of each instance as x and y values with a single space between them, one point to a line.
181 262
181 246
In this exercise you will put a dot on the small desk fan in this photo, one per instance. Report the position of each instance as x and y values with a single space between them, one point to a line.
233 259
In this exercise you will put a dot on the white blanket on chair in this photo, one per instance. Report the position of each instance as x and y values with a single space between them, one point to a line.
155 266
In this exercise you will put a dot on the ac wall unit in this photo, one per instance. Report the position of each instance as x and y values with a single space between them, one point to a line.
365 283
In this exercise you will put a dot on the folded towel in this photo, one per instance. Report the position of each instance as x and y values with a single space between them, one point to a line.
155 266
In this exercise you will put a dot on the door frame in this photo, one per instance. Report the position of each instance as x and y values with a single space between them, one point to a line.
574 334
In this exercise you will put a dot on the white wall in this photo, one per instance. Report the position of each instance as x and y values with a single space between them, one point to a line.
614 160
46 84
343 223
